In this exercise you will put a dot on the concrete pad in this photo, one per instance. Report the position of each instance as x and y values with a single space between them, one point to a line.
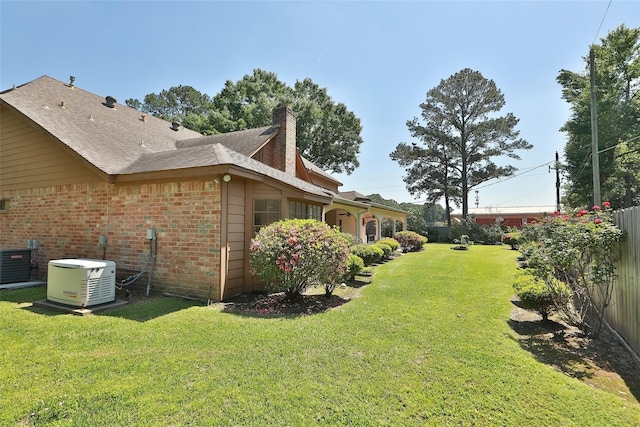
20 285
80 311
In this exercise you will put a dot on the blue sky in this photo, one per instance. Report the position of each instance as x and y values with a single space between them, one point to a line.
379 58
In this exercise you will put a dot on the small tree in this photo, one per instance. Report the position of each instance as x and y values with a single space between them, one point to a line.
291 255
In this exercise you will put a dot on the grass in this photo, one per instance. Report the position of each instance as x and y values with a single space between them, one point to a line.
426 343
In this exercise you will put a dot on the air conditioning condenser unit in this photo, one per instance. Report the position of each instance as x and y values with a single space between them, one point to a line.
81 282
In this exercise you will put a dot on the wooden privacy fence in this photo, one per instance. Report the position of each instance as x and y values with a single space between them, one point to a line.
623 314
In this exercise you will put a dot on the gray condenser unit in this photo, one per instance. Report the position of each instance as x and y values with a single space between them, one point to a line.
15 265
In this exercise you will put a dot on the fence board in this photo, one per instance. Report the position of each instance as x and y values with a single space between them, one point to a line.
623 314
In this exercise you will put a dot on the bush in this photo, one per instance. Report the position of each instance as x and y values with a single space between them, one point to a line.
462 244
488 235
349 238
395 245
355 265
434 234
368 253
581 250
386 249
513 239
410 241
291 255
536 295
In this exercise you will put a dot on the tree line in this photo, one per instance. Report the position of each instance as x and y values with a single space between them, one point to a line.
328 134
461 133
617 82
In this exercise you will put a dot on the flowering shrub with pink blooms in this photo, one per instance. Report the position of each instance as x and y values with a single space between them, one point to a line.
581 251
291 255
410 241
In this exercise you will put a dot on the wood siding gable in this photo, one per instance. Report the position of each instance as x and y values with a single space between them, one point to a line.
30 158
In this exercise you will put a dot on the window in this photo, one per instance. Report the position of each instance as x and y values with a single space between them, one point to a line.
4 205
305 211
264 213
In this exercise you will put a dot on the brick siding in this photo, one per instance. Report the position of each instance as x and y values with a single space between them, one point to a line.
67 220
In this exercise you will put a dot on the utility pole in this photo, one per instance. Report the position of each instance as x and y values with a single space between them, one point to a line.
557 168
595 156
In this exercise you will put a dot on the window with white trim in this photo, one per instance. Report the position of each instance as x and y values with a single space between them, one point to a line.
305 211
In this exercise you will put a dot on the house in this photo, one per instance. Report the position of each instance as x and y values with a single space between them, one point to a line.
510 216
87 177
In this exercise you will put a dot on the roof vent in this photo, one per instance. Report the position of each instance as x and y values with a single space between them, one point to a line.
143 117
110 102
175 126
71 80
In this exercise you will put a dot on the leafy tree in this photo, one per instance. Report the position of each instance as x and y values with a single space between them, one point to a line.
328 134
175 104
461 134
249 102
434 212
617 65
416 221
430 169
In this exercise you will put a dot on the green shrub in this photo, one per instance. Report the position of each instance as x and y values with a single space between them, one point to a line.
294 254
386 249
487 235
537 295
410 241
513 239
349 238
355 265
395 245
368 253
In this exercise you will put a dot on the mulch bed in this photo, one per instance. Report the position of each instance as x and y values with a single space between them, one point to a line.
602 362
257 304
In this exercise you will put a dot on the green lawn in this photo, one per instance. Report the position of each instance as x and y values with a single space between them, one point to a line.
426 343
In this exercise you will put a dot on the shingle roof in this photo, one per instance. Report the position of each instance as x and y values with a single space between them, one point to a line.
315 169
119 142
246 142
355 196
108 138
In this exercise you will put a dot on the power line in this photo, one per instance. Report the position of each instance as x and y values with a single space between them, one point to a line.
514 176
615 145
601 22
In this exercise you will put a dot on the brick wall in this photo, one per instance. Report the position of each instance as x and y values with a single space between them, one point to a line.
67 221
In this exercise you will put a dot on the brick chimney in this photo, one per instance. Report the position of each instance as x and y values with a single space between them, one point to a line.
285 141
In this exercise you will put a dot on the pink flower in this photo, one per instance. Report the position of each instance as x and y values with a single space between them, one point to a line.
597 221
556 213
582 212
596 208
606 204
